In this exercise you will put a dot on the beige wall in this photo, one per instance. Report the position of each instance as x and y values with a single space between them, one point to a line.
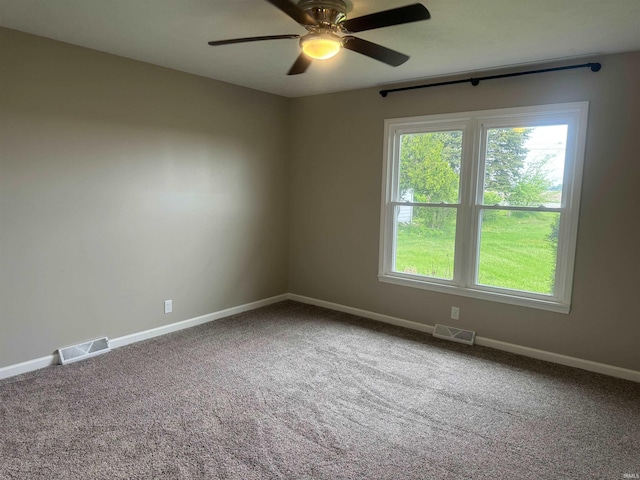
335 210
124 184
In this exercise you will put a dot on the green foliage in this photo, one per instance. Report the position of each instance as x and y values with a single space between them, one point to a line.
553 243
429 169
553 235
491 198
505 159
451 148
508 179
533 185
424 169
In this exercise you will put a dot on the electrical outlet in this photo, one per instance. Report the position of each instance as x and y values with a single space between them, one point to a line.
168 306
455 313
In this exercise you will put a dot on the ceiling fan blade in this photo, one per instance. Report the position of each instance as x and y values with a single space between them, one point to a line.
387 18
295 12
251 39
375 51
300 65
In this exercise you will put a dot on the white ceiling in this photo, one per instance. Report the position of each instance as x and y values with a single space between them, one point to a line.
462 36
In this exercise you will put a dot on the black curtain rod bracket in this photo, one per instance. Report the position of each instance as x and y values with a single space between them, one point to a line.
475 81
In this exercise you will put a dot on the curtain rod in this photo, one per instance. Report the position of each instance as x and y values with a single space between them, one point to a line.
595 67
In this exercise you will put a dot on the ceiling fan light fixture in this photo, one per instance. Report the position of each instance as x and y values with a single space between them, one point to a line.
321 46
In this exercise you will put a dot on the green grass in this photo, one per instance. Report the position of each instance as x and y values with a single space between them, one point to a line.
425 253
515 251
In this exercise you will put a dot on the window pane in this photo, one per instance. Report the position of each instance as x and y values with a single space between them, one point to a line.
430 167
425 241
525 166
518 250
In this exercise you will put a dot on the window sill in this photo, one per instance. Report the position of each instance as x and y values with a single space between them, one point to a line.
491 296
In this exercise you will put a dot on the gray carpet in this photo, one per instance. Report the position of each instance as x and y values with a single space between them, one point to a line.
293 391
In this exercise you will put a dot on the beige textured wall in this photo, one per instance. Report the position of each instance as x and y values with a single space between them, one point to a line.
335 210
124 184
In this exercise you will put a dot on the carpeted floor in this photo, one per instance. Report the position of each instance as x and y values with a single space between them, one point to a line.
294 391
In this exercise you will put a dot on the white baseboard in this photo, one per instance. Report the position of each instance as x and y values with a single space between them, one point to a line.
363 313
28 366
192 322
38 363
619 372
591 366
613 371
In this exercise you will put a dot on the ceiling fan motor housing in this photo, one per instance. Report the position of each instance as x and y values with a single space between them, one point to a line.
329 30
327 13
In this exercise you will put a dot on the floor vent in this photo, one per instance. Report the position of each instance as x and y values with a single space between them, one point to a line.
83 350
454 334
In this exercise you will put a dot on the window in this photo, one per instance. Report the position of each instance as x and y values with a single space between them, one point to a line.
485 204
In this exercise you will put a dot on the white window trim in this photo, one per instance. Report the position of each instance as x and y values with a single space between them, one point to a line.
473 124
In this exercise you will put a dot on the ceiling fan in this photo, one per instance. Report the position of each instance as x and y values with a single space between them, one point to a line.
329 30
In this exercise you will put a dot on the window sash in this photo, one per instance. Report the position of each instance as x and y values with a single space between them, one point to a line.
474 127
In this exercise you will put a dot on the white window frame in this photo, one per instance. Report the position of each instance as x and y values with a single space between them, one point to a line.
474 126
